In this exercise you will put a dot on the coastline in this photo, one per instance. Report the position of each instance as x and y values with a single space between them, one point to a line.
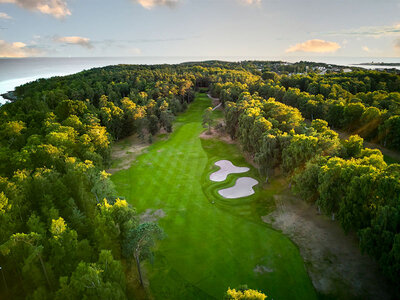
16 72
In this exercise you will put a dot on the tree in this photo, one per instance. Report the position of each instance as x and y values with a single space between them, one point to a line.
305 182
208 120
139 242
353 113
104 279
231 118
166 118
153 124
270 76
390 133
25 250
301 149
103 187
112 224
331 186
352 146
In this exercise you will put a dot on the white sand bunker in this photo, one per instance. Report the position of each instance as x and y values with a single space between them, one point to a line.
242 188
226 168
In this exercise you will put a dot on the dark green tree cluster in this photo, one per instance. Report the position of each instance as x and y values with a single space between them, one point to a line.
62 226
364 102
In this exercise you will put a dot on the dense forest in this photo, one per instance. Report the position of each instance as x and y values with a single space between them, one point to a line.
66 234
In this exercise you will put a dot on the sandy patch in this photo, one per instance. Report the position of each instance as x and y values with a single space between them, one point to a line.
217 134
226 168
151 215
242 188
262 269
333 259
124 153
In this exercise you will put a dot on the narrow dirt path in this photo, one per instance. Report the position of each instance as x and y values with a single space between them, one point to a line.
391 153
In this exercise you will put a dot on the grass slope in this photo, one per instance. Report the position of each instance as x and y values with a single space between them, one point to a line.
209 247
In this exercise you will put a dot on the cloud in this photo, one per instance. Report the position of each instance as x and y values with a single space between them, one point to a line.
75 40
135 51
17 49
160 40
397 45
317 46
371 31
365 48
149 4
5 16
250 2
55 8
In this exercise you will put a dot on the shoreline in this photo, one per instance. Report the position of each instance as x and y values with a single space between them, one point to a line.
67 66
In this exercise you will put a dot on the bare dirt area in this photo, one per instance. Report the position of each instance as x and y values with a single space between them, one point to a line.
217 134
151 215
221 135
125 152
333 260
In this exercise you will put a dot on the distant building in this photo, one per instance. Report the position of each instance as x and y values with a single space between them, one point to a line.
347 70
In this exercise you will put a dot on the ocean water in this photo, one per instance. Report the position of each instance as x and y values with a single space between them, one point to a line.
18 71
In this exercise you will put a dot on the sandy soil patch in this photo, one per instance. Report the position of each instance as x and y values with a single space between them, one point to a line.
125 152
217 134
226 168
260 269
242 188
333 259
151 215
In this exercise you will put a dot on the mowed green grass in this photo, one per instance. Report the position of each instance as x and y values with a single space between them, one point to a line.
208 246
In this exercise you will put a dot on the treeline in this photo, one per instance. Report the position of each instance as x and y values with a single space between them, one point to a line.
64 232
365 102
374 114
352 184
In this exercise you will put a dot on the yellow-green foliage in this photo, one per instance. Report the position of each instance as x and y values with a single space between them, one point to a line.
233 294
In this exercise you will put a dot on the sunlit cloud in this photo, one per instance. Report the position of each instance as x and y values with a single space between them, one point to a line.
365 48
316 46
250 2
149 4
17 49
75 40
135 51
4 16
55 8
371 31
397 45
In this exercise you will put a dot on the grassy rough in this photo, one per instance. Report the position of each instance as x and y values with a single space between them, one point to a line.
209 247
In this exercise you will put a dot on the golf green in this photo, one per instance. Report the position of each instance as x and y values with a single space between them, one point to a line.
211 243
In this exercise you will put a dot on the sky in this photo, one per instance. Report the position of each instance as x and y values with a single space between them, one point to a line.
250 28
